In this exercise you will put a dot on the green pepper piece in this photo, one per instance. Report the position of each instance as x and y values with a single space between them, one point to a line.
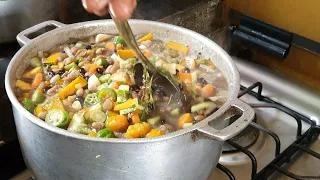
35 62
101 62
118 40
38 96
154 121
79 60
91 99
105 133
57 117
175 112
70 66
105 78
122 95
28 104
107 93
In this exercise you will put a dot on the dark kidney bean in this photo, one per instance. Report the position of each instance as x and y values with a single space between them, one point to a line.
51 73
61 71
87 47
202 81
99 70
80 99
86 78
82 71
187 70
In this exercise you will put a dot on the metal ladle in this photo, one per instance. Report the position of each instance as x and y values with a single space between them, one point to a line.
127 35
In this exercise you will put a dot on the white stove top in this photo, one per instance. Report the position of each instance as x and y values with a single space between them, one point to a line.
284 126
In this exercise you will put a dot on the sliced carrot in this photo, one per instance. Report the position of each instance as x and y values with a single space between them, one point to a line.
146 37
135 117
125 54
147 54
208 91
116 85
185 118
177 46
85 110
37 80
110 46
185 77
92 67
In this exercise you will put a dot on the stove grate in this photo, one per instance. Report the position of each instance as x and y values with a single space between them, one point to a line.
300 144
226 171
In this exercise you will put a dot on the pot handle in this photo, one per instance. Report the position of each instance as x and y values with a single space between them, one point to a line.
234 128
24 36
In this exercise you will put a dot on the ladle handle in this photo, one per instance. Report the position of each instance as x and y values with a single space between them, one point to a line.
126 33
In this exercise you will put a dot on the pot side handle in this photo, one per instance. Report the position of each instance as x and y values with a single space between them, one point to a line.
234 128
25 36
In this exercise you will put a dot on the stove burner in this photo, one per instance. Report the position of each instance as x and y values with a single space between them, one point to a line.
245 138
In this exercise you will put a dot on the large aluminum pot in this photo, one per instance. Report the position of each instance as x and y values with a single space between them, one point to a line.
192 153
17 15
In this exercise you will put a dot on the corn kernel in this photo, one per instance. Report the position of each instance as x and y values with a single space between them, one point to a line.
60 65
54 67
89 52
92 134
154 133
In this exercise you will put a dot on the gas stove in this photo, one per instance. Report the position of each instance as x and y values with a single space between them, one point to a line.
282 142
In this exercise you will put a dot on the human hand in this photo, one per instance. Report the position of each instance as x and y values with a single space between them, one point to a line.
119 9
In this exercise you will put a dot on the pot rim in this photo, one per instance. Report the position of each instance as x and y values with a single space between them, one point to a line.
63 132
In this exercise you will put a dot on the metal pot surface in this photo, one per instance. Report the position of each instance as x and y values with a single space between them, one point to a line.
191 153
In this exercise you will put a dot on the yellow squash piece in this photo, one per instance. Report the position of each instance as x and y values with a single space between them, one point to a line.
23 85
92 134
180 68
52 103
154 133
178 47
125 54
70 89
53 58
128 104
146 37
111 113
31 74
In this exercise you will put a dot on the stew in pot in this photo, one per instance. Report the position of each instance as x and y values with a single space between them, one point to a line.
90 87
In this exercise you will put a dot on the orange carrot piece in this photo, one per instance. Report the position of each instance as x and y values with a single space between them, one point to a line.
37 80
92 67
135 117
185 118
110 46
208 91
147 54
185 77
